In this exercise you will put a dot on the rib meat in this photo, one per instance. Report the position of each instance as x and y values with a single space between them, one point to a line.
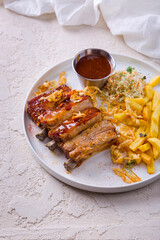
53 118
36 107
74 125
90 141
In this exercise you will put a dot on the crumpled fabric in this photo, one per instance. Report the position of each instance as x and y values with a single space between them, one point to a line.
137 20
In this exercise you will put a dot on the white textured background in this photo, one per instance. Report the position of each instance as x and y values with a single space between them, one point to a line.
34 205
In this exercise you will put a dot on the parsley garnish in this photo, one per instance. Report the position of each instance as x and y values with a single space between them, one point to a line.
130 69
129 165
141 135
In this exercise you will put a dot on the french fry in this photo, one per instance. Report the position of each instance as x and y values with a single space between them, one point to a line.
150 167
130 122
156 100
145 100
149 104
141 122
137 143
154 81
150 152
155 123
149 91
146 158
155 143
146 113
136 123
156 114
154 129
135 106
120 116
159 130
144 147
155 153
140 101
147 130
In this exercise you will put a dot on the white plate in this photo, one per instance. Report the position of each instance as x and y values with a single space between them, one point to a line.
95 174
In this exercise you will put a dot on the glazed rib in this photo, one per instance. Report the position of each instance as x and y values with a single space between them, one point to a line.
74 125
101 142
36 107
52 119
90 141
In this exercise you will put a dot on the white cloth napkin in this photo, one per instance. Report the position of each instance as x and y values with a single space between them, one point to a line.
137 20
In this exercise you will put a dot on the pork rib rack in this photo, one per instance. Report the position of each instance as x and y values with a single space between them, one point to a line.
75 126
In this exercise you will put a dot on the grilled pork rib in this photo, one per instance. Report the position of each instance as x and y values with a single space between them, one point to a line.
53 119
36 107
90 141
74 125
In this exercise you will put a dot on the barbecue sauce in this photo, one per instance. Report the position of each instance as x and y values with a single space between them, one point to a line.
93 66
70 124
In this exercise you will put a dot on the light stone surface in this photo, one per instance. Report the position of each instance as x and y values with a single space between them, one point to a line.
33 204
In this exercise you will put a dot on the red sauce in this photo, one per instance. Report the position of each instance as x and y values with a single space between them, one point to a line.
93 66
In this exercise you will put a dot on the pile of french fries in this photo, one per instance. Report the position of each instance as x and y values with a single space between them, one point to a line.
144 115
